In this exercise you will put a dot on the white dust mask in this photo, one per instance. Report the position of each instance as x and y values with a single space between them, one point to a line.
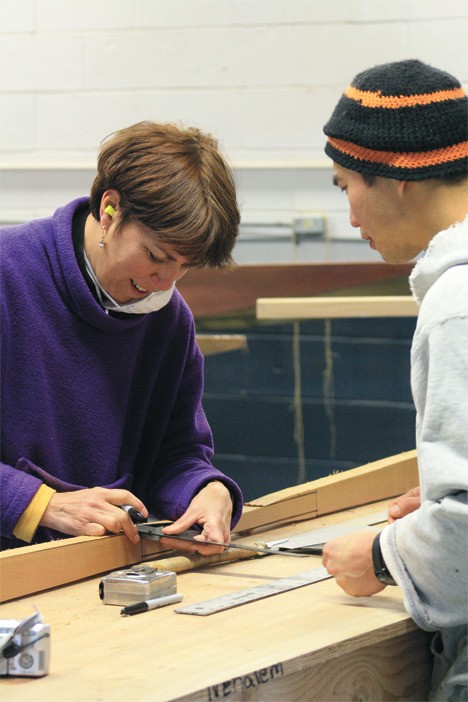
151 303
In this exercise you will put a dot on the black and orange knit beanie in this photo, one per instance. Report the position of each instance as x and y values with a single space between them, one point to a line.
404 120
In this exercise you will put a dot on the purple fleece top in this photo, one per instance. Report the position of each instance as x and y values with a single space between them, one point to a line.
92 399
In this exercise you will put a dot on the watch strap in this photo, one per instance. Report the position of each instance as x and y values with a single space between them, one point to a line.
381 571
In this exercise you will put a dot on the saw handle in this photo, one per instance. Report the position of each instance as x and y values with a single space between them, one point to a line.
190 561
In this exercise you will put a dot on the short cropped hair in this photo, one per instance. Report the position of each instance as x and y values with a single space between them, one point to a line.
175 181
450 179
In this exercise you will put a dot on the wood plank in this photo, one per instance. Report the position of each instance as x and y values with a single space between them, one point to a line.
378 480
40 567
336 307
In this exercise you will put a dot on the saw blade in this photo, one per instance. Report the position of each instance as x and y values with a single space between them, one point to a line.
155 532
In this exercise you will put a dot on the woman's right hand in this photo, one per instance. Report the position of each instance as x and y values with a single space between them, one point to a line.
404 505
93 512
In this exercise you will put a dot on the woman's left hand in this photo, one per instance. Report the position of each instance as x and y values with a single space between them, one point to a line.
211 508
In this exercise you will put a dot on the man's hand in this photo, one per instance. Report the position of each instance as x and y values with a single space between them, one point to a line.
407 503
211 508
349 559
92 512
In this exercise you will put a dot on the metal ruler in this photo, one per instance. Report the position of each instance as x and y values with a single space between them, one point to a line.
259 592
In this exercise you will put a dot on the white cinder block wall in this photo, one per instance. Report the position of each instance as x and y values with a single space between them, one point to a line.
262 75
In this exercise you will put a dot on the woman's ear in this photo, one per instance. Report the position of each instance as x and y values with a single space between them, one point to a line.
109 206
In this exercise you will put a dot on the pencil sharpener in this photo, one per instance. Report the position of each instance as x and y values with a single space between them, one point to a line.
124 587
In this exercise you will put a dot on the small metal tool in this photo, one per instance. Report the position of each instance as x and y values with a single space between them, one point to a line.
313 550
305 550
154 531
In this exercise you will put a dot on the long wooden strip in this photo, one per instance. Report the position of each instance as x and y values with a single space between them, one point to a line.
336 307
375 481
40 567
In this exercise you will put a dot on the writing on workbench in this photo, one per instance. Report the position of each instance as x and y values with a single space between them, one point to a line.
245 682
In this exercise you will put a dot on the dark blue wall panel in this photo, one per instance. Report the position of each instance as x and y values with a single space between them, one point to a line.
365 414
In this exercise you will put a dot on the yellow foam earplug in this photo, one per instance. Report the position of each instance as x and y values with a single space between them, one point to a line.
110 210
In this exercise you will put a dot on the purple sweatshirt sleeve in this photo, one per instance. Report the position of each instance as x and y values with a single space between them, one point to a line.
17 489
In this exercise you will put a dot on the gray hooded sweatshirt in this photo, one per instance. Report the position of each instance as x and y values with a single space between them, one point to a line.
427 551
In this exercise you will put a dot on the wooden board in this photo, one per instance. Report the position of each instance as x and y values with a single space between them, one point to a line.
314 643
36 568
336 307
378 480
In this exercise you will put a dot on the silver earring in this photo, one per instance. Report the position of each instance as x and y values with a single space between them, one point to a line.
102 243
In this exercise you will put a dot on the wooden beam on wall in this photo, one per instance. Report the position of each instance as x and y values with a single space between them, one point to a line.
336 307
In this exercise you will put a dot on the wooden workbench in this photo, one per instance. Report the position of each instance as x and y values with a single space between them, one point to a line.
313 643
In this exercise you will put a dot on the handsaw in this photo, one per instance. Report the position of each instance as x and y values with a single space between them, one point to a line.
155 531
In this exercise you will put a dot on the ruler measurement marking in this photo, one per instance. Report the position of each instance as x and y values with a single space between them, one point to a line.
253 594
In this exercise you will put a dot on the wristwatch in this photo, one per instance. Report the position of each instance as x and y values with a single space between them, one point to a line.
380 568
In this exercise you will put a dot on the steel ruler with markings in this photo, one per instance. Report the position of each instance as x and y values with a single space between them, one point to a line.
259 592
275 587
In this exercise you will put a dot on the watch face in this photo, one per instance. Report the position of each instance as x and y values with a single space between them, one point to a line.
385 578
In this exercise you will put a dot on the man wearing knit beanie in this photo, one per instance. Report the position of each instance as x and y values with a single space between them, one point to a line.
398 138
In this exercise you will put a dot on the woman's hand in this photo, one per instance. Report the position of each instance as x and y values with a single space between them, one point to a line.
349 559
404 505
92 512
211 508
